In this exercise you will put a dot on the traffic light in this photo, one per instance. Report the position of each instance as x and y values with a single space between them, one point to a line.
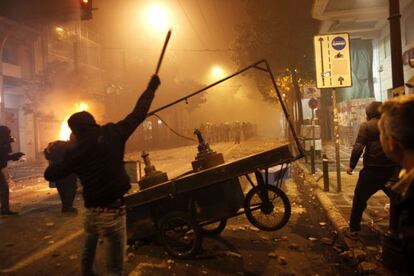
85 9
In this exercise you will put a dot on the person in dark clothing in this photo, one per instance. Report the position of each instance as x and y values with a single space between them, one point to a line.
377 168
67 186
5 156
397 139
97 159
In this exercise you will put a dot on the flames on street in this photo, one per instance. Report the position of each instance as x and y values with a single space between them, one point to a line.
64 133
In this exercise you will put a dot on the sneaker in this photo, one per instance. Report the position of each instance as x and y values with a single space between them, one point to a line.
8 213
353 235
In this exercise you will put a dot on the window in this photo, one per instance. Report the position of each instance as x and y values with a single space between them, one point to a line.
409 29
10 53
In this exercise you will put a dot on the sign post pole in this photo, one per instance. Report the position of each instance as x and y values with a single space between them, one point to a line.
333 70
336 140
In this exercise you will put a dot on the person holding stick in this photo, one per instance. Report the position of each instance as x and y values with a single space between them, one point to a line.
97 159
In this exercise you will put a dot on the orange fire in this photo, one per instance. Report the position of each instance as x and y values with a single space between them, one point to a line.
65 131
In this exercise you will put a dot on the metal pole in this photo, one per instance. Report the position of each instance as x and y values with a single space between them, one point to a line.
313 143
395 40
336 140
325 170
2 104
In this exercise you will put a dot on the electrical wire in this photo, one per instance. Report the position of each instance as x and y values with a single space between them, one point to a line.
191 23
172 130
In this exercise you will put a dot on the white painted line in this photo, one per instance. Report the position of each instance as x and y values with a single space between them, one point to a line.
41 254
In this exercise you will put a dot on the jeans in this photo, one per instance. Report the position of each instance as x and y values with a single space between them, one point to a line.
112 227
370 181
67 191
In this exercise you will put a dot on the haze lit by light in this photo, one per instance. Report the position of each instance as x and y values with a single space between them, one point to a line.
157 17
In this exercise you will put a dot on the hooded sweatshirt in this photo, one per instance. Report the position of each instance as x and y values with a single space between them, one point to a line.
97 155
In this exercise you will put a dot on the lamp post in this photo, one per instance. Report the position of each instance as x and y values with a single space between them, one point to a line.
2 104
396 48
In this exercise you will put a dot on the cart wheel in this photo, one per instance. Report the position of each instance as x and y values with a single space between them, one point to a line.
267 216
214 229
180 235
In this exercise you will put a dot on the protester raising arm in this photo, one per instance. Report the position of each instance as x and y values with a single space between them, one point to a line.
128 125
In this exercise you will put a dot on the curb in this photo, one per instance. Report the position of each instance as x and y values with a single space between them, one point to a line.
334 215
332 212
340 223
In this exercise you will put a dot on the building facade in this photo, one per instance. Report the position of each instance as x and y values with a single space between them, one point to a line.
367 23
45 69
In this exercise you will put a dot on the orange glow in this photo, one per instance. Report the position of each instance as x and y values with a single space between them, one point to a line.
217 72
85 1
64 133
157 17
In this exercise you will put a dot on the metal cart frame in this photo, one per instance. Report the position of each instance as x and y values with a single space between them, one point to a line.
172 205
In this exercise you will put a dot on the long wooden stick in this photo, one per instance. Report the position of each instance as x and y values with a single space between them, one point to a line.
167 38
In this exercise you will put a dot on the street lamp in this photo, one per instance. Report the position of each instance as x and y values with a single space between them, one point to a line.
156 17
2 103
217 72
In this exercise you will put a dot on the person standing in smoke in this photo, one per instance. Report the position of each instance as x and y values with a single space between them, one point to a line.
5 156
67 186
97 159
377 169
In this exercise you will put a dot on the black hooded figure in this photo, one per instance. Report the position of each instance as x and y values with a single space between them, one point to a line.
5 155
377 168
97 159
55 153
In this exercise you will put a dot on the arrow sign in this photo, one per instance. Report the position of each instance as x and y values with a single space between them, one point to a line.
332 60
322 65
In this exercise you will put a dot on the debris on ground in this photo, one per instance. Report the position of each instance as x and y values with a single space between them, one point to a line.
280 259
73 257
367 267
232 254
339 249
372 248
327 241
312 238
130 256
50 224
170 261
354 254
294 246
359 254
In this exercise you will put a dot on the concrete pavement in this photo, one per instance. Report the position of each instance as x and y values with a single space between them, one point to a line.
338 207
40 241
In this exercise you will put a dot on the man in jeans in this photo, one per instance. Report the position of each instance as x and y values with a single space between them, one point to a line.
377 168
96 158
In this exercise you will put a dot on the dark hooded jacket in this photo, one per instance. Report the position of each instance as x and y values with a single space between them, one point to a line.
5 146
368 142
97 155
